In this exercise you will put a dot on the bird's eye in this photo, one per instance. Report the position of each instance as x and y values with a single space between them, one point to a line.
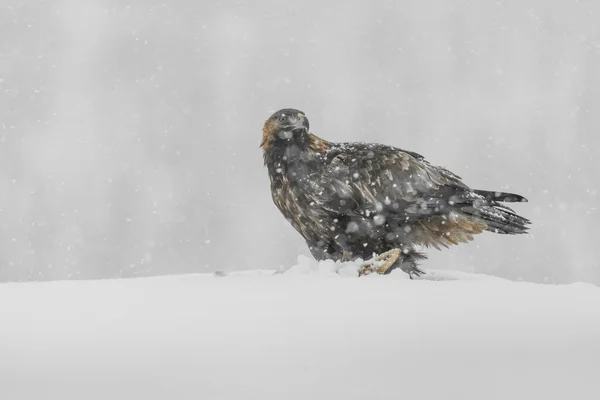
282 118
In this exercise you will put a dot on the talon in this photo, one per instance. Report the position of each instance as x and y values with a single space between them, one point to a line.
415 273
380 264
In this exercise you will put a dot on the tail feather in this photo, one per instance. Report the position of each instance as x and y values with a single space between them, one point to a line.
487 206
481 205
499 219
501 196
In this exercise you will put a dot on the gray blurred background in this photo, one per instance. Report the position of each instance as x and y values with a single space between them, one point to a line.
129 130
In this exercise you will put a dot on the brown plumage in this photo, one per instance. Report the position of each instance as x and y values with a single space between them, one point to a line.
355 200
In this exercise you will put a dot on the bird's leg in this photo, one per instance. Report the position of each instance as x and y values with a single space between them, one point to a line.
386 262
408 263
411 269
380 264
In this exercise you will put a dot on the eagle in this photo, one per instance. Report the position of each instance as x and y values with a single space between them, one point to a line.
374 202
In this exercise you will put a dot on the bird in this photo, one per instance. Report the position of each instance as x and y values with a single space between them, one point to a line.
374 202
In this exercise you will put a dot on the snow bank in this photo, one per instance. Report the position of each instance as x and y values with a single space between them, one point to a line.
312 332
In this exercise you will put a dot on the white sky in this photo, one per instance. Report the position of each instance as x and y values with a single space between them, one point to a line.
129 132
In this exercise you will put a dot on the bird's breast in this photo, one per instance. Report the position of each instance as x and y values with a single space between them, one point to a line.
295 190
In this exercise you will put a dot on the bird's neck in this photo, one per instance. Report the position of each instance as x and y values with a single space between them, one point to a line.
294 158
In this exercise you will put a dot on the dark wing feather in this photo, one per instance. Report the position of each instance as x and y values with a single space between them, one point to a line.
361 178
365 180
501 196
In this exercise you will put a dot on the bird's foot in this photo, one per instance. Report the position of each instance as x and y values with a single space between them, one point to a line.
381 264
413 271
386 262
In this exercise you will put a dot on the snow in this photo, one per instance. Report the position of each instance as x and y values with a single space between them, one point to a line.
315 331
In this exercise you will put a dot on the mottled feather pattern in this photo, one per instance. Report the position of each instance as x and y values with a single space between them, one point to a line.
353 200
396 186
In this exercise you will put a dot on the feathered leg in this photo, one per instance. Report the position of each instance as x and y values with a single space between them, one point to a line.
408 263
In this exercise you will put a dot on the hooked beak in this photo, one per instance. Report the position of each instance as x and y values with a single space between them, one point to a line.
301 123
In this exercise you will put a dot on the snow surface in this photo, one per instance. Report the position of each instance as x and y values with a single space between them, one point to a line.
313 332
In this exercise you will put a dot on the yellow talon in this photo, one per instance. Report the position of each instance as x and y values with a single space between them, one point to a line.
380 264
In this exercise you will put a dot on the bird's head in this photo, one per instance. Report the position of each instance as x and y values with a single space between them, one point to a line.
284 125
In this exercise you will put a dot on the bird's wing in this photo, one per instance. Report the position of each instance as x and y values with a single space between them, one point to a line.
367 178
376 183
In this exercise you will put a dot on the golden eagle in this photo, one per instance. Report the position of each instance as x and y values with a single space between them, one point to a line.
360 200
